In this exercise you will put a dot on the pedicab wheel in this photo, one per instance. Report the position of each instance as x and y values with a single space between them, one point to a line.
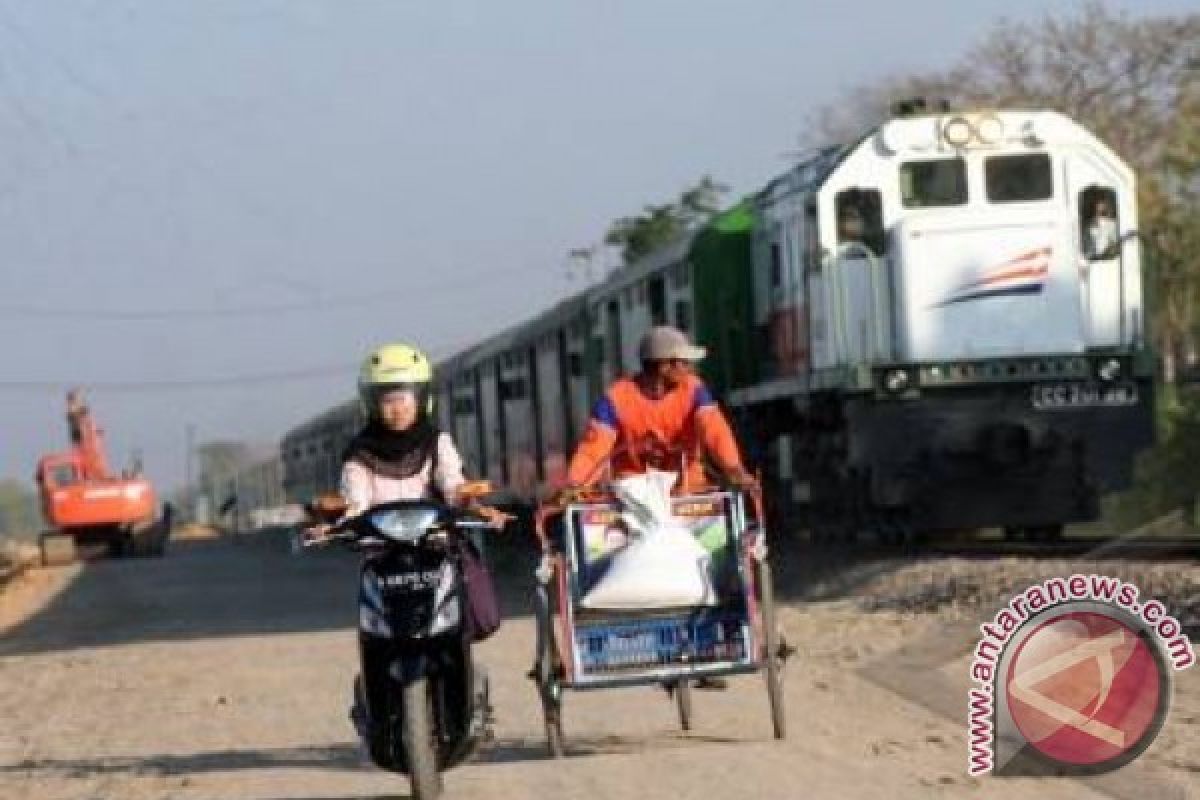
683 702
772 657
551 695
555 742
549 690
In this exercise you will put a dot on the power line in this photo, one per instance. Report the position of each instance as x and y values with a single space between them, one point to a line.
18 31
463 284
181 383
344 370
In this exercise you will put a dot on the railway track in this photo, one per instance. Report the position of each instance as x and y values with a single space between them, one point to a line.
1132 548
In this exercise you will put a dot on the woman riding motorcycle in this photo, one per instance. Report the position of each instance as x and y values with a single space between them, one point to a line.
399 454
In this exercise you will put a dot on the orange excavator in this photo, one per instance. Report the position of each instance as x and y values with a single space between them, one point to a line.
86 505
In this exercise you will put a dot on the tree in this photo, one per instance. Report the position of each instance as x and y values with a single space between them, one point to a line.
1175 240
18 509
659 225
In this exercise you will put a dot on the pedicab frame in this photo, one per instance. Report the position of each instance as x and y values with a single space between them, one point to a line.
672 647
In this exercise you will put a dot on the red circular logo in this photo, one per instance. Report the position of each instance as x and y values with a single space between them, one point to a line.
1085 689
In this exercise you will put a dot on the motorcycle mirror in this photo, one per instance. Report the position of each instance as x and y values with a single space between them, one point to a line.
327 507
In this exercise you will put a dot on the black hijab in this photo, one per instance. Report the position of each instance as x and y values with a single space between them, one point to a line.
394 454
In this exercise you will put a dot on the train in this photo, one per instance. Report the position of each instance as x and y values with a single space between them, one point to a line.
937 326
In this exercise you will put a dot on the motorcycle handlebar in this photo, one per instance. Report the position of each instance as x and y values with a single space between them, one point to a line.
346 528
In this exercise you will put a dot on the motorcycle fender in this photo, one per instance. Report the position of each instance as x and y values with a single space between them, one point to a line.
409 668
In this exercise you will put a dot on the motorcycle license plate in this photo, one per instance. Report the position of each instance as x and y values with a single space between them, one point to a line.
415 581
1065 396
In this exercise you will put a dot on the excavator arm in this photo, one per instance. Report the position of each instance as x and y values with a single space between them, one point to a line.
86 438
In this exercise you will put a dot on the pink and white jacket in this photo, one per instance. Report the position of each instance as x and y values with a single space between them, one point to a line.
362 488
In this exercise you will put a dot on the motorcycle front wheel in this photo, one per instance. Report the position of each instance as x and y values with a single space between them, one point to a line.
420 749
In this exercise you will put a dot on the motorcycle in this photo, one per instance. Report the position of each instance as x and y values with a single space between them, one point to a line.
421 705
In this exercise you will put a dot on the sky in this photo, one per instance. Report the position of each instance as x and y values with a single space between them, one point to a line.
210 210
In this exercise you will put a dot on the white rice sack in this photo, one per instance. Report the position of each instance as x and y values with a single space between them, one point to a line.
664 566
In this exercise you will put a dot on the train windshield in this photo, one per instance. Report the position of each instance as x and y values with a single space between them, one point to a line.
1021 178
931 184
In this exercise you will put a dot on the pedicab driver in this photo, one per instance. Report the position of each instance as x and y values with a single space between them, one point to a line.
664 409
647 419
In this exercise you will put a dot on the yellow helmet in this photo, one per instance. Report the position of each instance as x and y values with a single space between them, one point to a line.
395 366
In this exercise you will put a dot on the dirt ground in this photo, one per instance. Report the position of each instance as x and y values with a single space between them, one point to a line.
222 671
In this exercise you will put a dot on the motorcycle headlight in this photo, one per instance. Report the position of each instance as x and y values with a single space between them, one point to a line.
406 525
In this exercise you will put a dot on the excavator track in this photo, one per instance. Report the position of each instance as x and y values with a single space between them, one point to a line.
147 539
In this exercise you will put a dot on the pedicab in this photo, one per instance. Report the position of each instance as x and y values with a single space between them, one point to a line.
584 649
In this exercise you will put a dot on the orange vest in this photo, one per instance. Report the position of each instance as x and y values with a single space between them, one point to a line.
637 432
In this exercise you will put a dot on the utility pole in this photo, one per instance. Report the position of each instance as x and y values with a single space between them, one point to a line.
189 491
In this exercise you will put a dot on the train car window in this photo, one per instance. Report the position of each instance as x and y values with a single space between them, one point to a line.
860 219
931 184
575 365
1022 178
776 265
679 275
613 339
514 389
1099 225
657 294
812 238
683 316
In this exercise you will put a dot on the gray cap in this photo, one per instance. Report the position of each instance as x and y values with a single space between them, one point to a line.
665 342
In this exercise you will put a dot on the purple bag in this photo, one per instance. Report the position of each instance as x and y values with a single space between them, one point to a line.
482 604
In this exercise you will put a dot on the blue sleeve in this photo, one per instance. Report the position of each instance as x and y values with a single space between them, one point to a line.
605 412
702 398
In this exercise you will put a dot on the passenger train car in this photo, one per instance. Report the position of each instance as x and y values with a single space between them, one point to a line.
938 326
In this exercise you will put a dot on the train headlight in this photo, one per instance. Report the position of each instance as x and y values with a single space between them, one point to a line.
958 132
1110 370
990 130
896 380
908 134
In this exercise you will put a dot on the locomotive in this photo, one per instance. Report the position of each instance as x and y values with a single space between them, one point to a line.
937 326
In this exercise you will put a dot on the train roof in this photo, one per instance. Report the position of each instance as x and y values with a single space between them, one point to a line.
661 258
920 133
528 330
807 175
